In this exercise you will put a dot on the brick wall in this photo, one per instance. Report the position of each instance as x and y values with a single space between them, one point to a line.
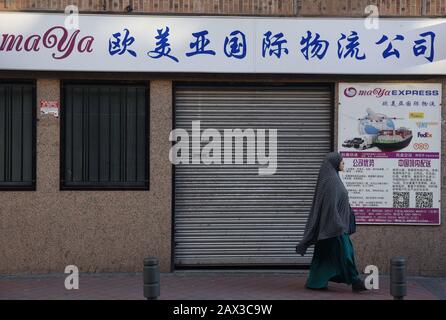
243 7
353 8
356 7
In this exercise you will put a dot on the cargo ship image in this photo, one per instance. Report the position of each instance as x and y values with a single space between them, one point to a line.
392 140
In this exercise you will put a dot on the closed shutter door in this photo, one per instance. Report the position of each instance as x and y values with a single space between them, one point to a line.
228 214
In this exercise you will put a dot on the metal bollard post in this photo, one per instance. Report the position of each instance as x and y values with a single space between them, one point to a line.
398 287
151 275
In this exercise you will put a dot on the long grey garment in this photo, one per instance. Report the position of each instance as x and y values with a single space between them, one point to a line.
330 212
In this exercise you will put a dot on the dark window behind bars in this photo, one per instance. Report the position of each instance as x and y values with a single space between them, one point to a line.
104 136
17 136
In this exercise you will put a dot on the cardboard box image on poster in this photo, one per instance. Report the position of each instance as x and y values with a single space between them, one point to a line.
390 137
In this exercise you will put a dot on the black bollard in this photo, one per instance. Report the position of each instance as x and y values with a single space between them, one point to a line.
151 275
398 286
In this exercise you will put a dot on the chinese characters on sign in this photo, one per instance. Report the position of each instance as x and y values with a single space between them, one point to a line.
390 138
311 45
222 45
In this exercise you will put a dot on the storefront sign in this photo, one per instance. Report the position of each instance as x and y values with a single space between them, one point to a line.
390 138
41 41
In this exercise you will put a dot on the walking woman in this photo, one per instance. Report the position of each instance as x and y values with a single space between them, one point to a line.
329 225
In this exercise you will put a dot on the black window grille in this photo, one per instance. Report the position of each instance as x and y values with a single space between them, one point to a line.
104 131
17 135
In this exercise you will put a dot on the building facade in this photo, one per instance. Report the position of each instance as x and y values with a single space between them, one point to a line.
97 189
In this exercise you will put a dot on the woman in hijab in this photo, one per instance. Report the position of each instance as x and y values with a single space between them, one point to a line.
329 224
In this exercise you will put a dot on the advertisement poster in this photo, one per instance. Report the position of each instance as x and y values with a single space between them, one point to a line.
390 138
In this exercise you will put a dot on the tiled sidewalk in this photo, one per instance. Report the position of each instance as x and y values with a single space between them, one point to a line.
205 285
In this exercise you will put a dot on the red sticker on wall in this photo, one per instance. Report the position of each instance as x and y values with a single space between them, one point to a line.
49 107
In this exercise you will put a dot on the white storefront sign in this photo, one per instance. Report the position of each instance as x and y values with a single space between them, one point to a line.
390 138
41 41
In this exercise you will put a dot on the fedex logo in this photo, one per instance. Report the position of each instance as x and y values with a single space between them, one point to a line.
424 135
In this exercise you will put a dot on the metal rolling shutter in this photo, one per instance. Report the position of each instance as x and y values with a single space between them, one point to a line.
228 215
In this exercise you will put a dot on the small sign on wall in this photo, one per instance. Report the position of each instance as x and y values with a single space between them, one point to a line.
49 107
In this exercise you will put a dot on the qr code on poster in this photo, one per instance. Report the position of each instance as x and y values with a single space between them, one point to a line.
401 199
424 199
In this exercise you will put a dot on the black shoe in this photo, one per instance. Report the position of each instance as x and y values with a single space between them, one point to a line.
359 286
317 289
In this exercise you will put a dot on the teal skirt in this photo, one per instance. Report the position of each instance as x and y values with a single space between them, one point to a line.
333 260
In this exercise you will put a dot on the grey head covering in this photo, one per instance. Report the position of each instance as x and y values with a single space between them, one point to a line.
330 212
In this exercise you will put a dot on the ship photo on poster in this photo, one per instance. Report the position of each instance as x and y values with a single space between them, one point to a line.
390 137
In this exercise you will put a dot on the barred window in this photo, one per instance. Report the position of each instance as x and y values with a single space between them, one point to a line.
17 135
104 132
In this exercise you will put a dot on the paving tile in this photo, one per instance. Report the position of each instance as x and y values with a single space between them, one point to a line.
206 286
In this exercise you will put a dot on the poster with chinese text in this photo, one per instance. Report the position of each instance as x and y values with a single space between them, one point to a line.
389 135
